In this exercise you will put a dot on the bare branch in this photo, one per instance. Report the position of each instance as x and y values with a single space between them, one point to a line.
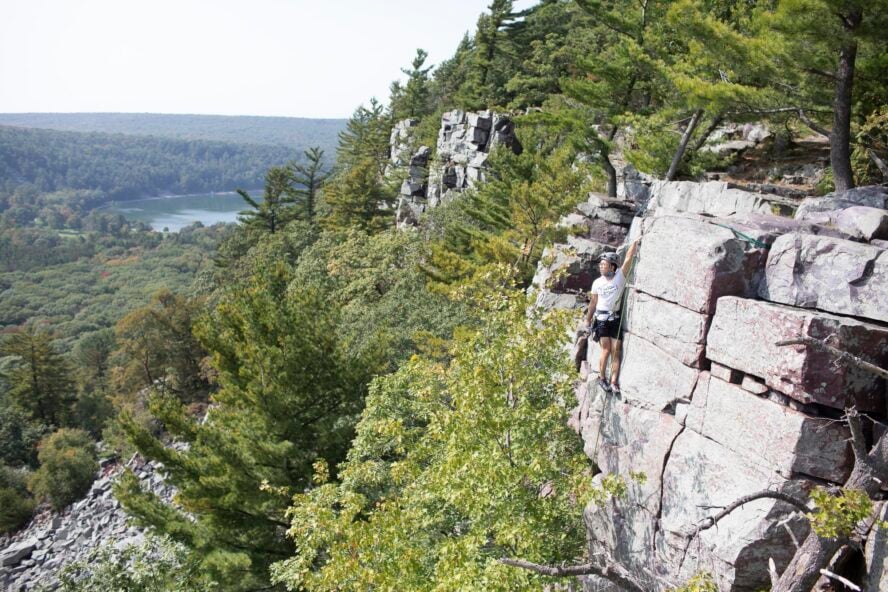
807 121
858 440
613 573
783 497
838 578
880 164
841 356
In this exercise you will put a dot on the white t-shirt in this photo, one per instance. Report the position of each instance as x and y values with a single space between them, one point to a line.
608 291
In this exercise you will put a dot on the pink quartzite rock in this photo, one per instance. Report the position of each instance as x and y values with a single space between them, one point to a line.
702 476
678 330
831 274
638 441
691 261
772 436
743 334
651 378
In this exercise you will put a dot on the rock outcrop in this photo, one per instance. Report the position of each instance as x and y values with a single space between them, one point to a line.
465 141
711 409
33 556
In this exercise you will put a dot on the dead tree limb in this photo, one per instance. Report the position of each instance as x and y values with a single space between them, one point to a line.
683 145
767 493
841 356
613 573
880 164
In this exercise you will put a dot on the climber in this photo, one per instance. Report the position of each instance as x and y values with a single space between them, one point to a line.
603 317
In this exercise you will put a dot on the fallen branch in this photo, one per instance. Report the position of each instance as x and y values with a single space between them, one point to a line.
841 356
613 573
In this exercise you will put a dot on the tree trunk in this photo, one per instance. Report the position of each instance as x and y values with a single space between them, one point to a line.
683 145
840 138
611 176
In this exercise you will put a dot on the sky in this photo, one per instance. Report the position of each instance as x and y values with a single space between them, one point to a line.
297 58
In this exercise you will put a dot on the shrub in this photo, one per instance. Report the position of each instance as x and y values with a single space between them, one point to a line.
67 467
16 506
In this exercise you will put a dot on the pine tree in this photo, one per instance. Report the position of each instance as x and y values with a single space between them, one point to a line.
288 395
413 100
310 176
275 208
40 380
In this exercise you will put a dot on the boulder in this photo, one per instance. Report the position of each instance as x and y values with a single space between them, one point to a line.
865 222
770 436
834 275
715 198
692 262
17 552
678 330
650 378
743 336
874 196
569 268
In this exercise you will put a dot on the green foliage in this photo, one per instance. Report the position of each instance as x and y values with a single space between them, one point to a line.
128 167
309 178
414 99
275 209
702 582
289 393
837 515
19 436
512 217
157 565
375 280
16 506
117 275
156 348
67 467
457 462
40 378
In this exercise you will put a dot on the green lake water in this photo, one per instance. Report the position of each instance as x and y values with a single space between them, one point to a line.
176 212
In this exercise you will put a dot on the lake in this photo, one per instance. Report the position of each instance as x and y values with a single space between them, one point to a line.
178 211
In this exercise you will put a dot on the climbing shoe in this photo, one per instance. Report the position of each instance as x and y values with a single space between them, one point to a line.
615 388
604 385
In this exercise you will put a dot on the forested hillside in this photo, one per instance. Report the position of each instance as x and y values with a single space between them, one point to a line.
296 133
121 167
386 409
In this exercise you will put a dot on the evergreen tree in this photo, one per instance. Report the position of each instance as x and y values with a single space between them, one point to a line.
275 208
289 391
413 100
40 380
310 176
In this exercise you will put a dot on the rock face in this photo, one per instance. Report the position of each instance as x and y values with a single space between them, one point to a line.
835 275
33 556
464 144
711 409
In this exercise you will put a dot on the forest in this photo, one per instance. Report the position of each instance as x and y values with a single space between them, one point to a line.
373 409
294 132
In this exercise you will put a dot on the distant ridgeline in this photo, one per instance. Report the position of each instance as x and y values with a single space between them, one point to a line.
294 132
122 167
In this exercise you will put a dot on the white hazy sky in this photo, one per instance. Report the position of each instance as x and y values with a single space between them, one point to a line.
301 58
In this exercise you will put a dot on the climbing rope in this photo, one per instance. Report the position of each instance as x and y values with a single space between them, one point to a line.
742 236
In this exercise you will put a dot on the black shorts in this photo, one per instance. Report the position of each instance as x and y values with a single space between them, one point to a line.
611 328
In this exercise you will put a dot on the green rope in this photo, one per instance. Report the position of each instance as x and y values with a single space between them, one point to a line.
753 241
